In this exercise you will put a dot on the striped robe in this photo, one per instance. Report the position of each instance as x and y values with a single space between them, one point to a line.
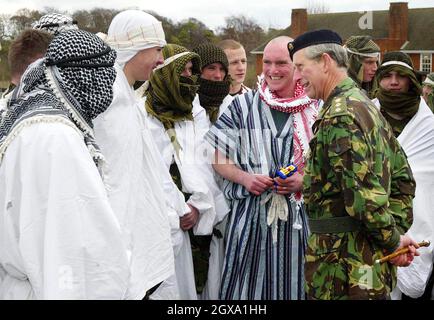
254 267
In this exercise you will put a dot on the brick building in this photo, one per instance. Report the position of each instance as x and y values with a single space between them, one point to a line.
399 28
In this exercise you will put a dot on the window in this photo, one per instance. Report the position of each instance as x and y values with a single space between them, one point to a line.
426 62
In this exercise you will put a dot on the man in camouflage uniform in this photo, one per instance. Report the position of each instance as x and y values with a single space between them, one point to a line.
358 185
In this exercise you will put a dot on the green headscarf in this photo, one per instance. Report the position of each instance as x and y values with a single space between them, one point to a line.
169 96
402 104
359 48
429 81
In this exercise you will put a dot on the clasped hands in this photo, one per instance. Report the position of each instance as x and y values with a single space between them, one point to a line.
259 183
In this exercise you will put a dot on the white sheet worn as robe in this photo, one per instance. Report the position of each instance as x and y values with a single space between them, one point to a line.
197 179
135 188
417 140
216 248
59 237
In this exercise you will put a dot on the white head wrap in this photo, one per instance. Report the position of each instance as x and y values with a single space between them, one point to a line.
132 31
428 81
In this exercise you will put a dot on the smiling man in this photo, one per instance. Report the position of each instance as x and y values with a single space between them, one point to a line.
253 138
358 186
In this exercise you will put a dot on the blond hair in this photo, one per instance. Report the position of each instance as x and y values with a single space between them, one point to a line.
229 44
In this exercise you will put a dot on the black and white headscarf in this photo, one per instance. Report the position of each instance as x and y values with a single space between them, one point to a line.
72 84
55 23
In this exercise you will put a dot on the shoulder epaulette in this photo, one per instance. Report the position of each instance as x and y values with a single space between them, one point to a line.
338 107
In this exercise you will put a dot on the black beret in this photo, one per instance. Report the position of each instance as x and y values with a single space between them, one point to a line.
312 38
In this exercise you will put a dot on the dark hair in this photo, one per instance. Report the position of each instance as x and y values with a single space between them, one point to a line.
26 48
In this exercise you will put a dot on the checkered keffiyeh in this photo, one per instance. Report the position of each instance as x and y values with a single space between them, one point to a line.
55 23
72 84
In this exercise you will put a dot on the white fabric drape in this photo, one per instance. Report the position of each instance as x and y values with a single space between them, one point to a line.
135 188
216 248
59 238
417 140
197 179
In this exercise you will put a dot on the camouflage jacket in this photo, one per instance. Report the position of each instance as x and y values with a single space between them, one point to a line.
356 168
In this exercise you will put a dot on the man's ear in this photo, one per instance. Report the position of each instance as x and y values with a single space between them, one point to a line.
327 62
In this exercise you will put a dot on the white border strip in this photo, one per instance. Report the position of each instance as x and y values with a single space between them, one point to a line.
369 55
171 59
388 63
428 81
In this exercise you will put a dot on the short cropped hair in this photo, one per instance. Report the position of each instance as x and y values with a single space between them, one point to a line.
229 44
26 48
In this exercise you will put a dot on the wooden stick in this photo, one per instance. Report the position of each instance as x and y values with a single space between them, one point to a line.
401 251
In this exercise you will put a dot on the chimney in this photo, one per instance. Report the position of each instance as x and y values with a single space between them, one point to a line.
398 21
298 22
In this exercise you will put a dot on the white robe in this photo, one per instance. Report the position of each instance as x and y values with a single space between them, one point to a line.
59 238
134 179
417 140
197 179
216 248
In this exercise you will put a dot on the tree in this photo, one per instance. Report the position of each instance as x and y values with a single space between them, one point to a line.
190 33
4 67
102 18
96 20
4 26
23 19
84 19
242 29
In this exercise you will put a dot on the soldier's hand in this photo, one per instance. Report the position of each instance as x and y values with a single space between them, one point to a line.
404 260
257 183
291 184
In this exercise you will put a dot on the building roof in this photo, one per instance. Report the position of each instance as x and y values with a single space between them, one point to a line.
420 21
420 26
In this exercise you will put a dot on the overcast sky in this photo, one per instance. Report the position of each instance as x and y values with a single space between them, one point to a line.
268 13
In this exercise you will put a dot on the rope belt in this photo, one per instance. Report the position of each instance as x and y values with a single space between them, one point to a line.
278 210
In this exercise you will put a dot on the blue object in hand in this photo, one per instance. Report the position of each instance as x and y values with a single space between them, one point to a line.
287 171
